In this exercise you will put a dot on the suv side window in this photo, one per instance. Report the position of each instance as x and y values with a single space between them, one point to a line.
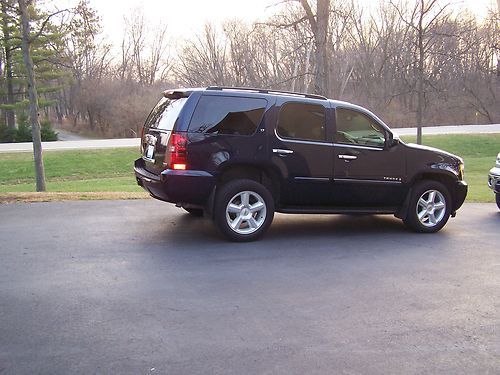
227 115
354 127
302 121
165 113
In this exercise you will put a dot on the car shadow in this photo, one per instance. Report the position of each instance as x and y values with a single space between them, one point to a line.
188 231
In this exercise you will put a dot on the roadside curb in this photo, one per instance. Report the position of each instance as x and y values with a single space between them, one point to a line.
30 197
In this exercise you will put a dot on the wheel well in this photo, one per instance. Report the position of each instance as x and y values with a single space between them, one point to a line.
447 181
264 176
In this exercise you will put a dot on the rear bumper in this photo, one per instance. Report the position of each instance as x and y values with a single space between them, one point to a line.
183 187
494 179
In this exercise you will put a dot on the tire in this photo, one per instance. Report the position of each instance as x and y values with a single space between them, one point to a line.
243 210
197 212
429 208
497 195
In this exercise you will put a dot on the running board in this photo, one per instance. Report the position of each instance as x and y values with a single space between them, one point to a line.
338 210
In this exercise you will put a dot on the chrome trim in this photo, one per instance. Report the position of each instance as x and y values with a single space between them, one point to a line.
322 179
282 151
359 146
366 181
320 143
348 157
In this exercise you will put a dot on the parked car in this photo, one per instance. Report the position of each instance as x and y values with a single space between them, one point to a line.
494 180
239 155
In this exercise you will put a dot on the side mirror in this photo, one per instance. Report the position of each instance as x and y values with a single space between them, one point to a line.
392 140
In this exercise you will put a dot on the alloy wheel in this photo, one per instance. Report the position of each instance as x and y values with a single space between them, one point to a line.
246 212
431 208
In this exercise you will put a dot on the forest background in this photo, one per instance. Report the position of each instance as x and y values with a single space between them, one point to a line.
415 62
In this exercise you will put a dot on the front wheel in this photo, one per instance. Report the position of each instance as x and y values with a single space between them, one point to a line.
429 208
243 210
498 200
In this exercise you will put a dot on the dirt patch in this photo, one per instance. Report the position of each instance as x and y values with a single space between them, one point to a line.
53 196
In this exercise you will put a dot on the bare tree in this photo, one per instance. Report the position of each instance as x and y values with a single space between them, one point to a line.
144 50
422 18
319 27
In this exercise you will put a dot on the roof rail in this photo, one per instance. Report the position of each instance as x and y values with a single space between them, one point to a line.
265 91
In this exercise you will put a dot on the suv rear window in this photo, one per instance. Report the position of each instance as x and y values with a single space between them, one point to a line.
227 115
165 113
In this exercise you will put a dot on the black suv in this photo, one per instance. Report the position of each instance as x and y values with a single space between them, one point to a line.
240 154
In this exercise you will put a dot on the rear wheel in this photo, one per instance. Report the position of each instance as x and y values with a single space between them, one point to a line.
243 211
429 208
498 200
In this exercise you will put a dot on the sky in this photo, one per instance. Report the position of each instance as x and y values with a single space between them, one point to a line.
186 17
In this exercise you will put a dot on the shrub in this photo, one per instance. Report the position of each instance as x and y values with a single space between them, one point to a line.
48 134
7 135
23 131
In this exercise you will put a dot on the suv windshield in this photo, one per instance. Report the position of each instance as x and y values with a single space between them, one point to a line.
165 113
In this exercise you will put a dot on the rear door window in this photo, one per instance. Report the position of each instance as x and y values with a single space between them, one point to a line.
227 115
302 121
165 113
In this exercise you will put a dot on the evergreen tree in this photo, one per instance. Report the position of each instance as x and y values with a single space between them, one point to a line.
46 48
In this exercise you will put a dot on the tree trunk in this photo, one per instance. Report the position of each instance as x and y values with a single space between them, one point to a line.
33 97
10 114
319 27
321 83
420 77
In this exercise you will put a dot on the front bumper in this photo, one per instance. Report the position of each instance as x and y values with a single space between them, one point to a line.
494 179
182 187
460 194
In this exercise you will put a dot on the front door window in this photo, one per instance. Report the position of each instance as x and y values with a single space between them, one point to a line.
356 128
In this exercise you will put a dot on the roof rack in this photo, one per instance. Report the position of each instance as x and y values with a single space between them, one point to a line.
264 91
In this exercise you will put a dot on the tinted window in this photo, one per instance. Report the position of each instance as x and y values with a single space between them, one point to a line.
165 113
227 115
357 128
302 121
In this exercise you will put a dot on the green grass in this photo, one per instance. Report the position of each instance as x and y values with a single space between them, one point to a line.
112 170
478 151
72 171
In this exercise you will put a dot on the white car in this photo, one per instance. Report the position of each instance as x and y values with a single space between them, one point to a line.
494 180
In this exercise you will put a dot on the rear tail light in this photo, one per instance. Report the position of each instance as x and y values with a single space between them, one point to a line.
176 154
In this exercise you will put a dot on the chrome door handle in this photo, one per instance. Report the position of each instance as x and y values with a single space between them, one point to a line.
348 157
281 151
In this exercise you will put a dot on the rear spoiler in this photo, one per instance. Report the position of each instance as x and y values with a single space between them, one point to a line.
176 94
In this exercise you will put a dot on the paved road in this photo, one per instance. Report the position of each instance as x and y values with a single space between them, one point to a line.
139 287
135 142
64 135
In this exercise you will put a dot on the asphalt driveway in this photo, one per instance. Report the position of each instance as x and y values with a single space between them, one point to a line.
140 287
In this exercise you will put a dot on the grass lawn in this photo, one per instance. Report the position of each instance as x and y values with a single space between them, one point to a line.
111 170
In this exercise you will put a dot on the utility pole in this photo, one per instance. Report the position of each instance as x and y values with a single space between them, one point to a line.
33 96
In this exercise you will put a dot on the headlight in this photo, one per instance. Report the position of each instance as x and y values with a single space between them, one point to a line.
461 171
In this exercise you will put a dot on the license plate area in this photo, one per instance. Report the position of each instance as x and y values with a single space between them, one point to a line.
149 154
149 150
